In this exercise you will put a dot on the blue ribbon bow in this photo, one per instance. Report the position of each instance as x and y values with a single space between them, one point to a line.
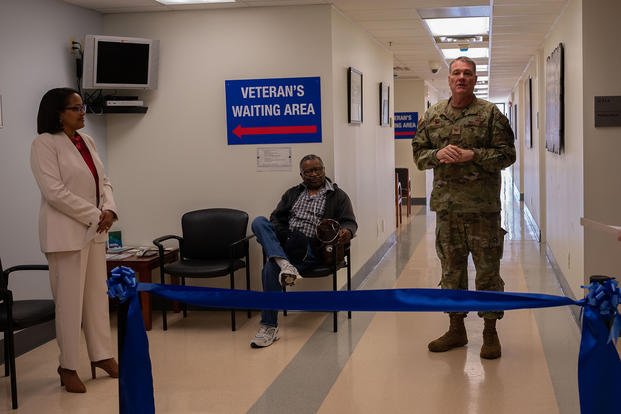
122 283
605 297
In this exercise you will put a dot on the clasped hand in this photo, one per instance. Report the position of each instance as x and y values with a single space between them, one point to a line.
452 154
106 218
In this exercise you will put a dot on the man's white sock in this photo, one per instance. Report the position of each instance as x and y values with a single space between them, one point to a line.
282 262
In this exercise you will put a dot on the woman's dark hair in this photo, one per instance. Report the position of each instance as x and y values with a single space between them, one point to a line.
52 104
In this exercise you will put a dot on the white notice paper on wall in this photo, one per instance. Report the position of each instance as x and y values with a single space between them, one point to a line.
274 159
596 225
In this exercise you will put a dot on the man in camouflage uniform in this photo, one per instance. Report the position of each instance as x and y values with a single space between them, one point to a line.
467 141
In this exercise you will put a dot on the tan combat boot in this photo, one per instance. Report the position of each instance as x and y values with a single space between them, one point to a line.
454 338
491 343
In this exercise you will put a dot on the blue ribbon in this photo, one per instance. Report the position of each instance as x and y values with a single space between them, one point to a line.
599 366
135 376
384 300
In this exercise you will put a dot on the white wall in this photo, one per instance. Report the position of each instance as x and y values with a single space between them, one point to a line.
176 158
533 174
35 56
517 172
410 97
602 169
363 154
564 173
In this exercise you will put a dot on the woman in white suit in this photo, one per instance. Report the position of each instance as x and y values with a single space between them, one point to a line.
77 210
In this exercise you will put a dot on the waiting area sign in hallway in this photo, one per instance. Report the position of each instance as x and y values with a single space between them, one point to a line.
273 111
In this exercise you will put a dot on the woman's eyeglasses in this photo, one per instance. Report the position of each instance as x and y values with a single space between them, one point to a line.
77 108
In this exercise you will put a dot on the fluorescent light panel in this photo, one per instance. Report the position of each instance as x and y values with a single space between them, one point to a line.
462 26
177 2
463 11
472 53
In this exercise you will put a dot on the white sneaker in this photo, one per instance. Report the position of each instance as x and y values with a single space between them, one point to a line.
288 274
266 336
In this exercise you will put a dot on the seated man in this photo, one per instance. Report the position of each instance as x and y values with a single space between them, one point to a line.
289 236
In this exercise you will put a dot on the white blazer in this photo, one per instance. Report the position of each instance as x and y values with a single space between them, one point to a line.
69 212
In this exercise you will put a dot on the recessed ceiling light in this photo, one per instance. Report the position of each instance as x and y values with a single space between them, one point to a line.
174 2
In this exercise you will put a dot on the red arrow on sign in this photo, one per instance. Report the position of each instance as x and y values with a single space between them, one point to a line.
402 133
240 131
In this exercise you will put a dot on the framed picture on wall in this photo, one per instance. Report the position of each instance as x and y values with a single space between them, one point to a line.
384 104
555 117
515 122
528 114
354 94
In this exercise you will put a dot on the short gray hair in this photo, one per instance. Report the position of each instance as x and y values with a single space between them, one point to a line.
466 60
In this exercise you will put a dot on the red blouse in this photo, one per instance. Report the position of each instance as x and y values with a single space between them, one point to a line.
88 158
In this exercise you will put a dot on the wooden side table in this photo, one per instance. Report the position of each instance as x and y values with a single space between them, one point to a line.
143 267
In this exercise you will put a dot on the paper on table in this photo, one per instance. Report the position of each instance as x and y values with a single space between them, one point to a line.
596 225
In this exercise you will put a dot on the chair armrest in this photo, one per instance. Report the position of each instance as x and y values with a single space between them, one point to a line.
160 246
233 246
159 240
4 283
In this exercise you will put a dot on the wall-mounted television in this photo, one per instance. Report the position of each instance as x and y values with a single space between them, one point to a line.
113 62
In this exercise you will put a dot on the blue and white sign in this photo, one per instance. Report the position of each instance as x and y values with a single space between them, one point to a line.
406 124
273 111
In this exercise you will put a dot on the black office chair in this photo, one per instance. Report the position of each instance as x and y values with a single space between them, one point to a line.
16 315
214 244
331 270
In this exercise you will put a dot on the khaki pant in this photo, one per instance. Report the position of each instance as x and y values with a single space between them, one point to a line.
479 234
78 280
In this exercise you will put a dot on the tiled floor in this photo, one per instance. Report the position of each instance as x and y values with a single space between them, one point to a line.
376 363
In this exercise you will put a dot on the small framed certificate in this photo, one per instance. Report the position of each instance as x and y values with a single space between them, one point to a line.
354 92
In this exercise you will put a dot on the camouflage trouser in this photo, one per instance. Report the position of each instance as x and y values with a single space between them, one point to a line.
459 234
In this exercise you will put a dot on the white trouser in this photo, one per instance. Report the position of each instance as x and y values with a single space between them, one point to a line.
78 280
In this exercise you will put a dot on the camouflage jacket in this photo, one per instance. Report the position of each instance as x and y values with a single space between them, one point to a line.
472 186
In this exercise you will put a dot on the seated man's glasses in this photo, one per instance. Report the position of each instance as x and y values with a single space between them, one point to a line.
312 171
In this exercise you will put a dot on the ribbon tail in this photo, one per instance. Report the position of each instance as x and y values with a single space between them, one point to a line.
136 378
599 367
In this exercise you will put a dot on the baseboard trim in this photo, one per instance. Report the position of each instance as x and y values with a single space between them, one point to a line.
562 280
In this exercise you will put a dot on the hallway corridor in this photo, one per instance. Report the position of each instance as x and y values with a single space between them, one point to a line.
376 363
